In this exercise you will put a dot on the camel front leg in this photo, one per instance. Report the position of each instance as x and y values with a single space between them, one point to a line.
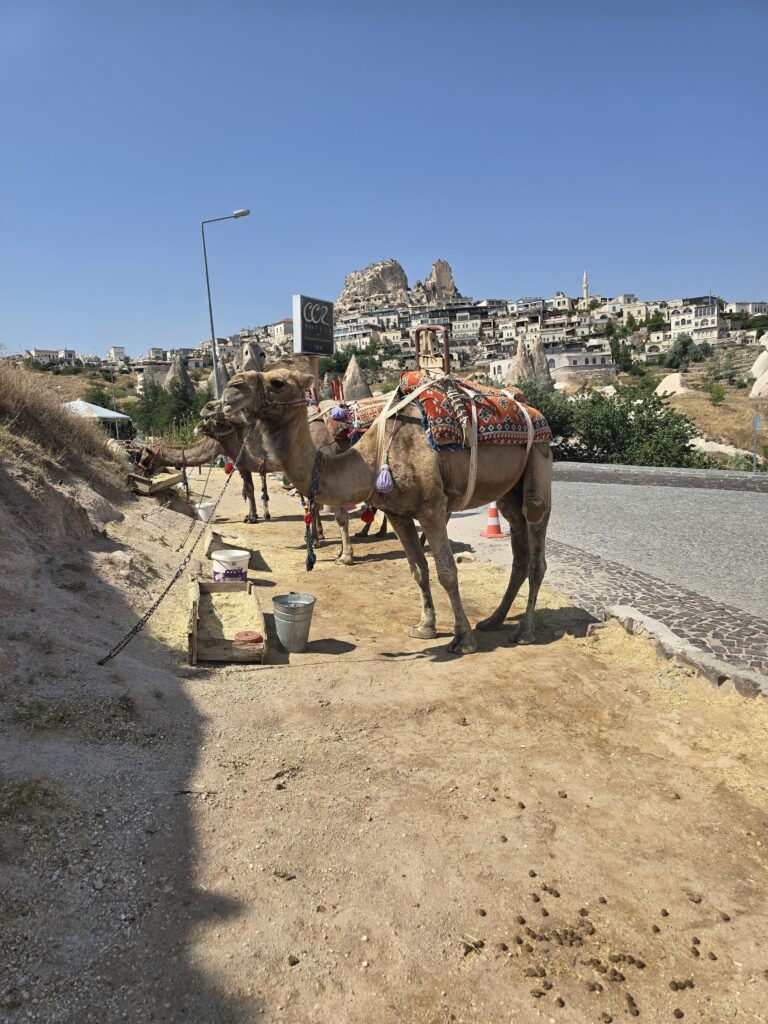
317 526
435 527
409 538
383 528
347 556
249 495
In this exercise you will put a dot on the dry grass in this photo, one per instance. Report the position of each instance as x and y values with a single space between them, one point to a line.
730 422
36 424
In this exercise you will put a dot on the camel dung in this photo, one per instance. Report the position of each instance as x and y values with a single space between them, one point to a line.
711 955
560 1002
655 928
678 1013
694 951
293 960
602 899
606 1018
520 919
535 897
674 986
531 873
521 805
562 794
696 940
481 912
503 839
664 913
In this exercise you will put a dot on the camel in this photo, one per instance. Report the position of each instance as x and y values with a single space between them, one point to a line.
230 436
199 454
429 486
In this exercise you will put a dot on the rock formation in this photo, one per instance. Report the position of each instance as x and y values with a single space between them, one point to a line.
438 287
673 384
385 284
178 374
540 362
521 367
760 387
380 284
355 386
759 366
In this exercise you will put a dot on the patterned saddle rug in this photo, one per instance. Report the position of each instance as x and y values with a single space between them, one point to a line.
358 417
445 413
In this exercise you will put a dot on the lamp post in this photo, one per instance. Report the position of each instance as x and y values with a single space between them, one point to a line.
214 351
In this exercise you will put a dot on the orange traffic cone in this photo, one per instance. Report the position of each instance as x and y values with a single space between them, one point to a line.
493 529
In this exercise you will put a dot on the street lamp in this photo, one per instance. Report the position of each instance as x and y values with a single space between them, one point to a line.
214 351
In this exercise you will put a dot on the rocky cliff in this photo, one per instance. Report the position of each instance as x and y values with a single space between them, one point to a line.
385 284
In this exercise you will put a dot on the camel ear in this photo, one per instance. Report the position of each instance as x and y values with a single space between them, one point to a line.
304 381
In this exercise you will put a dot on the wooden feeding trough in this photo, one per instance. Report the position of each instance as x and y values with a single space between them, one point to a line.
147 485
225 622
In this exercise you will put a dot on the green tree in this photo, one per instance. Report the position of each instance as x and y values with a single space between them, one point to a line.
97 394
556 410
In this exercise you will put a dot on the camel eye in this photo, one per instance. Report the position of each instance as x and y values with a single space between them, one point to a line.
278 383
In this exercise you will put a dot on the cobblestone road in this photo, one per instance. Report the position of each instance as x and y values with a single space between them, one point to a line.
693 559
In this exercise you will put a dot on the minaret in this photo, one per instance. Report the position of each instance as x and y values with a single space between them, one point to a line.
585 288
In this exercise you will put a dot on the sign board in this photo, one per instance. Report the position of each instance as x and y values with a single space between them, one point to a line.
757 421
312 326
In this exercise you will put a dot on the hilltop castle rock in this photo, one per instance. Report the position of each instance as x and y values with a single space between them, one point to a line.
385 284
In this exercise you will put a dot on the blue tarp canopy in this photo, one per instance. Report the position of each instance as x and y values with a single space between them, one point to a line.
96 412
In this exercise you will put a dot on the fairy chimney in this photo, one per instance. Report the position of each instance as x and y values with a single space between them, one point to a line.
355 385
521 367
178 374
540 362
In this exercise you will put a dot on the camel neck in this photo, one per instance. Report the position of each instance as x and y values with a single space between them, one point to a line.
341 478
196 455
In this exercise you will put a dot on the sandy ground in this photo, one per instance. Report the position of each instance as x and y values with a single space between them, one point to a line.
371 830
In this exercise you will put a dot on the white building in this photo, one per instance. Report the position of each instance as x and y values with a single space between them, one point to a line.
115 354
281 332
750 308
701 318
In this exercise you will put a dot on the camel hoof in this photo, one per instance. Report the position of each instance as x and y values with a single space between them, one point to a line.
491 623
522 637
462 645
251 520
422 632
345 560
267 516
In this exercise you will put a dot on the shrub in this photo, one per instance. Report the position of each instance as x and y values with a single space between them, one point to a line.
716 393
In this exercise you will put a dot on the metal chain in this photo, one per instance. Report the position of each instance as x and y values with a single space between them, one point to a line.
137 628
192 524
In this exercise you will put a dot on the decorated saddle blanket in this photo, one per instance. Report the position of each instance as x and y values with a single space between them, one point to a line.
446 415
350 420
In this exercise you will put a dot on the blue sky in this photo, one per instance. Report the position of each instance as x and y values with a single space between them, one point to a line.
520 141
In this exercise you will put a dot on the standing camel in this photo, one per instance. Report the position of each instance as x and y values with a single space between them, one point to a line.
230 436
428 486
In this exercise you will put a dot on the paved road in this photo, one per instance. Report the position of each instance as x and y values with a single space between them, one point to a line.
714 543
693 559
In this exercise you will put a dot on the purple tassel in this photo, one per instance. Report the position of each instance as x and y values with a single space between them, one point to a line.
338 412
384 482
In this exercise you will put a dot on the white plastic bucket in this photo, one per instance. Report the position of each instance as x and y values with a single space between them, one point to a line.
204 510
231 564
293 617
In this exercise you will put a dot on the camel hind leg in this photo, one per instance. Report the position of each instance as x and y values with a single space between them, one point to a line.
527 508
249 496
435 527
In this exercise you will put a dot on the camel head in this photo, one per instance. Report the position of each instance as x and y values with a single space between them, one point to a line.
276 396
213 422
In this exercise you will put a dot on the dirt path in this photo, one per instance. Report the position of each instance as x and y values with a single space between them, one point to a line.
377 832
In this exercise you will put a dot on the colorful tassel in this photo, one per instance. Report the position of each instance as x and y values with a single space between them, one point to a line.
384 482
338 413
229 467
368 515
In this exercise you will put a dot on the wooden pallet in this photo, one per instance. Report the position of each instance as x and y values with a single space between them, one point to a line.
147 485
202 622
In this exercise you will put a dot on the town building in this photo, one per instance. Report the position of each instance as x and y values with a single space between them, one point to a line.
115 354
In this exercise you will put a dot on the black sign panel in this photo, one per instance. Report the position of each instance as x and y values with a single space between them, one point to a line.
312 326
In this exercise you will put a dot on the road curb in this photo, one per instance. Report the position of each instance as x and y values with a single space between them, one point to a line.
709 479
718 673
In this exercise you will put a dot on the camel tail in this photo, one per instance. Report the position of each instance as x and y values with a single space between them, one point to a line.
537 484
